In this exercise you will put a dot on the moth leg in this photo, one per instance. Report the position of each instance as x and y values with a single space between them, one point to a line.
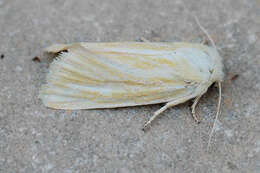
155 115
193 109
162 109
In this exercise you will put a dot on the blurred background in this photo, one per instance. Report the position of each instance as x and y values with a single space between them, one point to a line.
34 138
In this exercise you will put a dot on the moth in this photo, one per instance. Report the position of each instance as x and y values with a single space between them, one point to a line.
121 74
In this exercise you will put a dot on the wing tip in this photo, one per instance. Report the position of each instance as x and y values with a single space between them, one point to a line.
52 94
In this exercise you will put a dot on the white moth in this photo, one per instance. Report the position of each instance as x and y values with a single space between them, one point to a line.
110 75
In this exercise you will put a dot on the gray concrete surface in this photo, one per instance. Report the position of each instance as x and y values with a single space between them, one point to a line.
34 138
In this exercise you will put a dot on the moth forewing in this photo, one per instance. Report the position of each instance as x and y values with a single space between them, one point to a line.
109 75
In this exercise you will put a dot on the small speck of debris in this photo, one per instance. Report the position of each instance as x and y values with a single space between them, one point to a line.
234 77
142 39
231 165
2 56
36 59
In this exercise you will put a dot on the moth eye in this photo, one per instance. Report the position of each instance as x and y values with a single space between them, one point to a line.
211 70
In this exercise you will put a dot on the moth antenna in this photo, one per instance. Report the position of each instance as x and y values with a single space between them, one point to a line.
205 32
202 28
217 115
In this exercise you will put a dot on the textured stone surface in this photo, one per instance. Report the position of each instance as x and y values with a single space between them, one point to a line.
34 138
